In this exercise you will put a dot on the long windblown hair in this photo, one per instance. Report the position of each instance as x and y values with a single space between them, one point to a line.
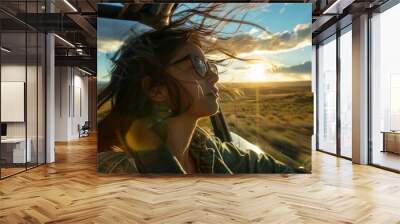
140 64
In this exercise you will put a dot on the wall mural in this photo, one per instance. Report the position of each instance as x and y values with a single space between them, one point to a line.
196 88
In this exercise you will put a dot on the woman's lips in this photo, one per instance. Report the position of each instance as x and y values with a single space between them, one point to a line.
213 93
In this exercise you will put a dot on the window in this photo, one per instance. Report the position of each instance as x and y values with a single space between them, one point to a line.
394 102
327 96
346 93
385 89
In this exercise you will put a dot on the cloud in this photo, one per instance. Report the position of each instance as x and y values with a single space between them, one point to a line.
108 45
253 31
304 68
246 43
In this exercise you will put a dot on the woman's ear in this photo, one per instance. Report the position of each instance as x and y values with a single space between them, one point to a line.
156 93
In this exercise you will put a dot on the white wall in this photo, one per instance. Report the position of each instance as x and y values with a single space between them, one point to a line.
12 73
71 94
80 108
61 103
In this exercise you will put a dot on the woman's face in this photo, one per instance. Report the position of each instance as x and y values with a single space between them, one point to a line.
202 90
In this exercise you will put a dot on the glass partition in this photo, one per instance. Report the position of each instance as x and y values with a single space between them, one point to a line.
22 90
13 104
31 98
41 96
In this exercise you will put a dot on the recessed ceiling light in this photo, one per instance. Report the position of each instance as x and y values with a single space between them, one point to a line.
84 71
337 7
64 40
70 5
5 50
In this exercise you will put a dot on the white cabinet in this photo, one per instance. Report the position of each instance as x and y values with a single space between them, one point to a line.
17 147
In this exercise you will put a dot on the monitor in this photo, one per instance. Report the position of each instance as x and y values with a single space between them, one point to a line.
3 129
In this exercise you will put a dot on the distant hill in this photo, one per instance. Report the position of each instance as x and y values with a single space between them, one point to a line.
267 84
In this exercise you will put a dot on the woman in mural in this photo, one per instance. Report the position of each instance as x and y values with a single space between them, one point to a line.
162 83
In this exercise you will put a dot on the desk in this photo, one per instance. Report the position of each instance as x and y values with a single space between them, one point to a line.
391 141
13 150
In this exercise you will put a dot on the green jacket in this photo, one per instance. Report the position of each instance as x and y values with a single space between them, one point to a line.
211 155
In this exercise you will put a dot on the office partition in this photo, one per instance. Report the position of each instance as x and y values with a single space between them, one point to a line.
22 78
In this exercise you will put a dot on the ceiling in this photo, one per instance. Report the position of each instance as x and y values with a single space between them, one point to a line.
330 15
75 21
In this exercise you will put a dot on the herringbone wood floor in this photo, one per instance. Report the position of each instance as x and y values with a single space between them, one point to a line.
70 191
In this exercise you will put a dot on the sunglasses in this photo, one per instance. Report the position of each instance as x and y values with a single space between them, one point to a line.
201 66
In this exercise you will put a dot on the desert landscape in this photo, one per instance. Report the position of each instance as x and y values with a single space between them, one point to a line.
277 117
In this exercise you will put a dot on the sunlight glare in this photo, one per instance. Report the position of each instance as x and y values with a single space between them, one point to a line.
257 73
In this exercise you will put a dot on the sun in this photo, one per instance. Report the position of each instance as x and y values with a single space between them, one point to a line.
256 73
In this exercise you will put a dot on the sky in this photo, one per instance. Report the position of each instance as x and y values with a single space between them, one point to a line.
283 50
